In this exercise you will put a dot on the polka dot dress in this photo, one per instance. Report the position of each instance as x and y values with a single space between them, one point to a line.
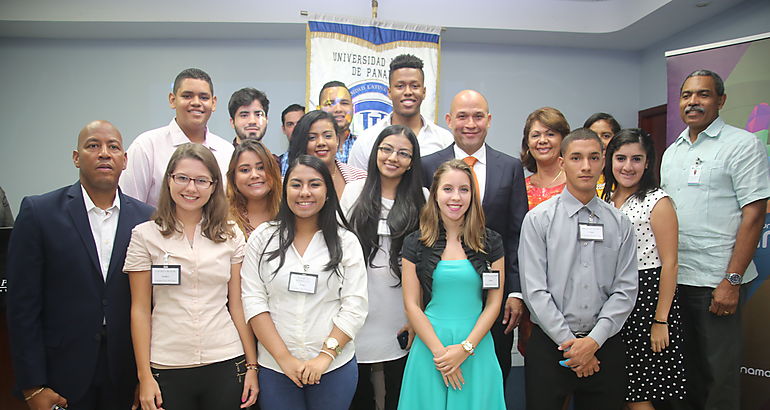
651 376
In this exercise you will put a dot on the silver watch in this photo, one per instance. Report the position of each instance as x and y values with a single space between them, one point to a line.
734 278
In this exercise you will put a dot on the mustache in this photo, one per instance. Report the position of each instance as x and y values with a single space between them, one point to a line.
691 108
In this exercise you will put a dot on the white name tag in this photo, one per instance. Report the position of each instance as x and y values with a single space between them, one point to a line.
303 282
693 178
490 279
590 232
166 274
382 228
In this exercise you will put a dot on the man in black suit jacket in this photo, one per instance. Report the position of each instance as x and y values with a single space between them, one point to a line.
68 299
504 199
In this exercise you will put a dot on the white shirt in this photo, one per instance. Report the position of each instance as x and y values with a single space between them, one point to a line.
304 321
431 137
376 341
479 168
104 224
148 158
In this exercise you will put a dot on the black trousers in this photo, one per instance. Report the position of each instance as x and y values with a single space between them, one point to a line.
213 386
104 393
503 344
712 351
394 374
548 384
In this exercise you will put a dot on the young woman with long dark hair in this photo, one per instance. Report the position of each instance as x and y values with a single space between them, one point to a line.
382 210
304 294
652 335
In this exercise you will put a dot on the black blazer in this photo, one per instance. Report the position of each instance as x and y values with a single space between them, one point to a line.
504 202
58 299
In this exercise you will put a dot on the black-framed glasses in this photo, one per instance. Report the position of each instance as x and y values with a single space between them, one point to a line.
387 151
180 179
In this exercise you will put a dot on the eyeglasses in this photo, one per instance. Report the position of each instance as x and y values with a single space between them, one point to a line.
184 180
388 151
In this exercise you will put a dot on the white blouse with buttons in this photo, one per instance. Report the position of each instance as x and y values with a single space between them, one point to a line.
304 321
639 214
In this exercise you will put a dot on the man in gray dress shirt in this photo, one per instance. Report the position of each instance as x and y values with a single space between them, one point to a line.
577 261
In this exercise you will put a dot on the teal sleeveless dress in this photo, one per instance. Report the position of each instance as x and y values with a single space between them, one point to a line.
455 306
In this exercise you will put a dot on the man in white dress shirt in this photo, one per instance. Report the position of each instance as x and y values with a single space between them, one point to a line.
406 91
193 100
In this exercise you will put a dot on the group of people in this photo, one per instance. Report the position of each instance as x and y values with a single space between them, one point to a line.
190 272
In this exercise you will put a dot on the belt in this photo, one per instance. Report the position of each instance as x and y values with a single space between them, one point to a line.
581 335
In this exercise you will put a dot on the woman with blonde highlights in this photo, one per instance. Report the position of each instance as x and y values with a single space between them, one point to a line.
453 267
253 186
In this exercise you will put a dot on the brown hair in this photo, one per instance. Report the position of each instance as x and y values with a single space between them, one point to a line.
272 176
551 118
214 222
473 225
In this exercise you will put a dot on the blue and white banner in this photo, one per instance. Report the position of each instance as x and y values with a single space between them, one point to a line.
358 52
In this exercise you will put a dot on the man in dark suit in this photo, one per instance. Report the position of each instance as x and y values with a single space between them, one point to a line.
504 199
68 299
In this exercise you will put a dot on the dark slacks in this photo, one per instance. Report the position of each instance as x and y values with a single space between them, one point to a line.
333 393
214 386
104 393
503 344
548 384
712 350
394 373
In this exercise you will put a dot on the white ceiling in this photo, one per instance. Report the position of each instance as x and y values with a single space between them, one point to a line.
608 24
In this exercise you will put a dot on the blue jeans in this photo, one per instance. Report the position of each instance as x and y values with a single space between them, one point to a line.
276 391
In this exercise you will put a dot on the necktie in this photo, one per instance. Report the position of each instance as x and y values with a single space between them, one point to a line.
471 161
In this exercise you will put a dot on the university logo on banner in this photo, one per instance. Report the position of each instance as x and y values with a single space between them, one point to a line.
358 52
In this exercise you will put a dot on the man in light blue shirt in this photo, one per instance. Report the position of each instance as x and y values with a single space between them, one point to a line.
578 269
719 179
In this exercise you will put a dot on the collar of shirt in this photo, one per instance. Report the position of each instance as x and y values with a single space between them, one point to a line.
90 206
572 205
178 137
425 124
712 131
480 155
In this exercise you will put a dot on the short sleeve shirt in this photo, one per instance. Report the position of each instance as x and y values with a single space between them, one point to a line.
733 173
191 324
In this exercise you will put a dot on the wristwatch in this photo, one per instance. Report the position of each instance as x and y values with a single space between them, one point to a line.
332 344
734 278
468 347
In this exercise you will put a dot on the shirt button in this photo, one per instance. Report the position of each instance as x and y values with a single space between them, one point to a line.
585 243
585 265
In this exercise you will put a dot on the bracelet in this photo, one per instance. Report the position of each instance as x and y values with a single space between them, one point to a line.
251 366
35 393
330 355
659 322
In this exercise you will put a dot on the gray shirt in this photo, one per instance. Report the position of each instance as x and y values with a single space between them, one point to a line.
6 216
578 286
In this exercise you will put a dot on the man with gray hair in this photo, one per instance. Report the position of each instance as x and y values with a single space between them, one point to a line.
719 179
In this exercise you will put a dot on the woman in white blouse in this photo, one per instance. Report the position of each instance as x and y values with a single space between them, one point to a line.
187 323
304 294
383 210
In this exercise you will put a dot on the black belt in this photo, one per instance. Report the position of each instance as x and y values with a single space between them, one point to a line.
581 335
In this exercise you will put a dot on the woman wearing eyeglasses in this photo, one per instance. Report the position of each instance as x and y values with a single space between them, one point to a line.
192 345
382 210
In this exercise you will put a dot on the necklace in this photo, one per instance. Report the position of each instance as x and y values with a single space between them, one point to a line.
553 180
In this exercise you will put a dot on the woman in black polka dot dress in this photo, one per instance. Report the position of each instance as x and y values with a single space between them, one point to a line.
652 333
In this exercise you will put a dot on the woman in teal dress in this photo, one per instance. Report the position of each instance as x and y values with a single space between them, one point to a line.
452 363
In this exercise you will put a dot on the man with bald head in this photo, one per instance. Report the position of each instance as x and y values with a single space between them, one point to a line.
501 186
68 301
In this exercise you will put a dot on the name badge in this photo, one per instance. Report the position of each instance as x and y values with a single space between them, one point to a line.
490 279
590 232
693 178
166 274
303 282
382 228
